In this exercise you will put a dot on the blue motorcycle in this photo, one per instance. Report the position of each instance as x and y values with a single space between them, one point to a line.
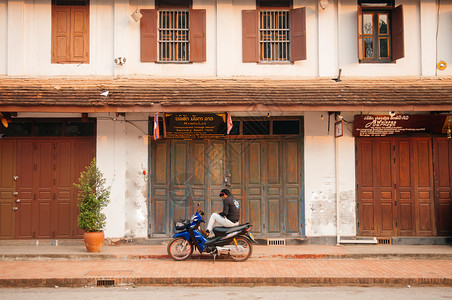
233 241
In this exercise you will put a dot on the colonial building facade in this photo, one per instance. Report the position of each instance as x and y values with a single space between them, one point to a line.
328 120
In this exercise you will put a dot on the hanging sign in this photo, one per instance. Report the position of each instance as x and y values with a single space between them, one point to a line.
195 125
380 126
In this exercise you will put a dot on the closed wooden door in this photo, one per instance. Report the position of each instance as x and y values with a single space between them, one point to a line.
395 187
442 150
263 175
7 189
46 171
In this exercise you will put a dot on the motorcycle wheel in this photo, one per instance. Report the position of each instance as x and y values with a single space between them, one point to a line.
242 251
180 249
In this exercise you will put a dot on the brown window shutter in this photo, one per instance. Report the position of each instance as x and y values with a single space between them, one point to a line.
61 34
80 34
197 35
250 31
148 35
398 48
360 34
298 33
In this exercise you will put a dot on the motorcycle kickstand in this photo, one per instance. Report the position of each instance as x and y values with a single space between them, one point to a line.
214 255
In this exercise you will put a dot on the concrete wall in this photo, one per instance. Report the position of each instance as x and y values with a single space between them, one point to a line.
25 41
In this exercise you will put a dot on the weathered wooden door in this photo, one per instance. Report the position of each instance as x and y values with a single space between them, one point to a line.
442 152
395 187
186 176
7 189
267 176
263 175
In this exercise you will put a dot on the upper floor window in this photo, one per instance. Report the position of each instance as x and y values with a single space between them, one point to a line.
70 31
274 32
173 32
173 37
274 40
380 31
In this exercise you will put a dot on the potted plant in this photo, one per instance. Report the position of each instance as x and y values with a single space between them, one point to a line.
93 196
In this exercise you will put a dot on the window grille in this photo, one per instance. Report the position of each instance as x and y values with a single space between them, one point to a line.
274 36
174 36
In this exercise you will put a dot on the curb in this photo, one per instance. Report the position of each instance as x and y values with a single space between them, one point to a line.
238 281
84 257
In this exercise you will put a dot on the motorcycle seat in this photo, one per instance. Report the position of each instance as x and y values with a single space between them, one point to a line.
221 230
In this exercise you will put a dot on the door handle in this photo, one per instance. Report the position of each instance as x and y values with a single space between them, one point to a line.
18 201
15 208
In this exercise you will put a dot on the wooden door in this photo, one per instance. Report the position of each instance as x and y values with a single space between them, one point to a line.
263 175
7 189
395 187
442 151
46 171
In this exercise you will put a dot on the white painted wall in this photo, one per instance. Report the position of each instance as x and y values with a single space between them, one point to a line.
25 29
444 38
320 177
122 155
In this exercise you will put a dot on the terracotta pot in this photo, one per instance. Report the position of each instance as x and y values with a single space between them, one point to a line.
93 240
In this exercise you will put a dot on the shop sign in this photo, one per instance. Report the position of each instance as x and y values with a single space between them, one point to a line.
195 126
380 126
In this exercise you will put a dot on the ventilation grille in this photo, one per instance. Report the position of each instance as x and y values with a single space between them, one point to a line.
276 242
384 241
106 282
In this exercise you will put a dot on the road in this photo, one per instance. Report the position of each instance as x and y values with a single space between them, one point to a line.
232 293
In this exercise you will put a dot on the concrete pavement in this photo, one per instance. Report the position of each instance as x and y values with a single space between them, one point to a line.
71 265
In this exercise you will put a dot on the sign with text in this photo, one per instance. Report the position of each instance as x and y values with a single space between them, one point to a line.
195 126
380 126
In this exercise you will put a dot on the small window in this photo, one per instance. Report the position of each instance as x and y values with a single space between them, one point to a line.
80 129
17 128
47 129
256 127
286 127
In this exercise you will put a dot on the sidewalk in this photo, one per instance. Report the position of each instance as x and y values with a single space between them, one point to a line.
34 266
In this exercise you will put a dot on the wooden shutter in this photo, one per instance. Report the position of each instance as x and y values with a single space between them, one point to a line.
398 48
298 33
148 35
61 34
197 35
360 34
250 31
80 34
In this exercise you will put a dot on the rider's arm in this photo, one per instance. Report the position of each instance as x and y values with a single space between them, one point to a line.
225 211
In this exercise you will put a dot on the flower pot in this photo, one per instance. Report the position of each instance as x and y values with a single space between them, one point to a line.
93 240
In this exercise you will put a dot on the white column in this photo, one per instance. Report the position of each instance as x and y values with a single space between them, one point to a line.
15 38
226 48
428 37
111 161
327 39
121 35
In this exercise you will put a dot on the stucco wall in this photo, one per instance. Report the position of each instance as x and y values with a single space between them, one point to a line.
320 177
122 148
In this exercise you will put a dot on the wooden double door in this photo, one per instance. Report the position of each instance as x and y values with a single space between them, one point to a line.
404 186
263 175
37 196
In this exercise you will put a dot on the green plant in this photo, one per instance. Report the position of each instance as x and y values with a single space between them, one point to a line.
93 195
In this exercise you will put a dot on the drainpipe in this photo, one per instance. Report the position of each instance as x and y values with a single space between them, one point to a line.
336 158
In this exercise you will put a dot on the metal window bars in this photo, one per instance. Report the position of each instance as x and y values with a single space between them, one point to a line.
174 35
274 37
